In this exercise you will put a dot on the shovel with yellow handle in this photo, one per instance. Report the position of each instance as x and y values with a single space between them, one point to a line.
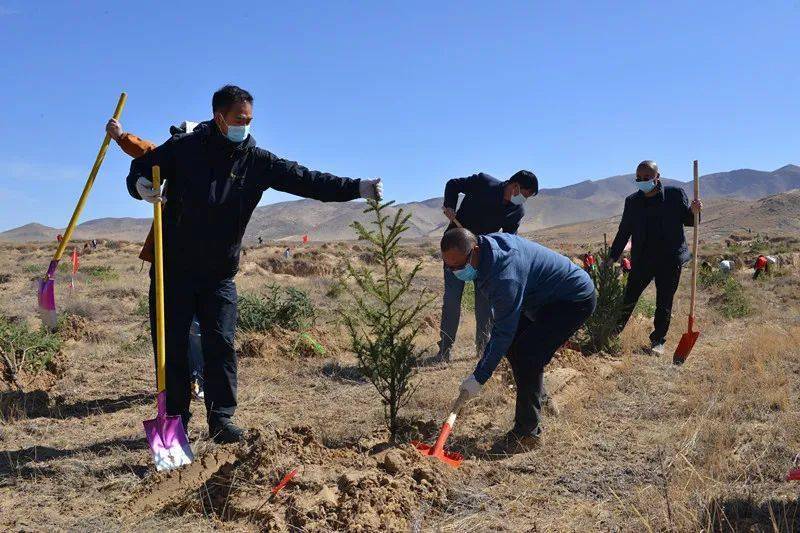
166 436
47 290
690 337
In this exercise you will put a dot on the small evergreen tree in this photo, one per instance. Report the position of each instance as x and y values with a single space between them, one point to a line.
601 327
385 318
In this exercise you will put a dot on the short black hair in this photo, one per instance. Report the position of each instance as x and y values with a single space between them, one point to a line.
459 239
224 98
527 180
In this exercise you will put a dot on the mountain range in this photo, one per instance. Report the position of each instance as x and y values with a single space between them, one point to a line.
580 202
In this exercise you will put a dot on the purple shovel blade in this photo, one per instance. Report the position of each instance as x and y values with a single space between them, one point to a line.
47 297
167 439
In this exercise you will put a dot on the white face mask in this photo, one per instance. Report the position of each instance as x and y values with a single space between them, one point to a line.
518 199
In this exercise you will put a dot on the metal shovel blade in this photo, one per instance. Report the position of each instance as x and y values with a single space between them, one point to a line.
453 459
47 297
167 439
685 345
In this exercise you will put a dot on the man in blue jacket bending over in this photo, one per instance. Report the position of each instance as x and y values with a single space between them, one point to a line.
216 176
540 298
489 205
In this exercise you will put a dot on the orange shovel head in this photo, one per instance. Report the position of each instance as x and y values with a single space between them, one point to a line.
453 459
685 347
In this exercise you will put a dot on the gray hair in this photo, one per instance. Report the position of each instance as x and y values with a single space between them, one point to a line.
458 239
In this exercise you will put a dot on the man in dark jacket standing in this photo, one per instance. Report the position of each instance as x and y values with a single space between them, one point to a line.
216 177
653 219
489 205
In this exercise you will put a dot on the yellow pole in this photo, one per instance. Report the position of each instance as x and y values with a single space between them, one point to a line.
89 182
160 339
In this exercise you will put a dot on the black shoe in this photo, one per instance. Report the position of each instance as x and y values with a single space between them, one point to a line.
225 433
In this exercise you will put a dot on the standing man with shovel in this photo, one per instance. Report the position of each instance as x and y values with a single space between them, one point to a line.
489 205
216 177
653 219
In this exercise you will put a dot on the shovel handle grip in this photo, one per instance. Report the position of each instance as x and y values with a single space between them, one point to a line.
447 427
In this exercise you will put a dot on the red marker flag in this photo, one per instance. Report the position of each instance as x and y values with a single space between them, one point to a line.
305 239
75 261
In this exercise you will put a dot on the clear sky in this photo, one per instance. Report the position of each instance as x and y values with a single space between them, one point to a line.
414 92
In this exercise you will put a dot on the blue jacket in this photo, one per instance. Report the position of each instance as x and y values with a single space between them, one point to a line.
482 210
675 214
519 276
213 187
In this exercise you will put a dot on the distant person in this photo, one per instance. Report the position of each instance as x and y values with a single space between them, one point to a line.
287 253
653 218
540 299
489 205
94 244
215 177
260 240
726 266
761 266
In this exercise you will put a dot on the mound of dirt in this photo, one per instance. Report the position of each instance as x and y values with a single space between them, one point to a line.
76 327
282 343
341 489
320 266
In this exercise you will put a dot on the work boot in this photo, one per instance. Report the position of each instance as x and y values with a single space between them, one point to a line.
225 432
657 349
512 443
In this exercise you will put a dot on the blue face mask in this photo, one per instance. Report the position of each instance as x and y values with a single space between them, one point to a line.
518 199
238 133
468 272
646 186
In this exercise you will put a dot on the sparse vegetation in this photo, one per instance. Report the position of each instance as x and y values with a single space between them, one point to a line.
386 315
711 277
101 272
735 303
645 307
601 328
468 296
24 349
288 308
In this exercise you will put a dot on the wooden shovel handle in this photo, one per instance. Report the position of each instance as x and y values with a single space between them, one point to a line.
695 241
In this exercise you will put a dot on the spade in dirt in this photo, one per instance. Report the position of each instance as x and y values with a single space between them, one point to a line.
165 434
453 459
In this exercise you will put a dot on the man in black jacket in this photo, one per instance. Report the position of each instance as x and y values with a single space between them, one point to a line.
654 218
489 205
216 177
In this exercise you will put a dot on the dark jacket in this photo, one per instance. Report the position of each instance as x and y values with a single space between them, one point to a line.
214 186
482 210
675 214
520 276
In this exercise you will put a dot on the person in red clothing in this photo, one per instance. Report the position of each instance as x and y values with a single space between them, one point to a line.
761 266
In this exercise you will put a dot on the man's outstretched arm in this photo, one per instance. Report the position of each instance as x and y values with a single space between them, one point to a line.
289 176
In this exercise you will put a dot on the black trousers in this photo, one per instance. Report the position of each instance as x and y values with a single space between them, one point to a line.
534 345
667 276
214 304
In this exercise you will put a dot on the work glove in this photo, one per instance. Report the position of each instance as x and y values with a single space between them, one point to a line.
371 189
114 129
471 387
145 189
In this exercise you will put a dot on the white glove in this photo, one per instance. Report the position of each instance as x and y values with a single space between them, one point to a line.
145 189
114 129
471 387
371 189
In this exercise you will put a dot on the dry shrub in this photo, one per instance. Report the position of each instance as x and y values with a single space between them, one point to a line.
298 267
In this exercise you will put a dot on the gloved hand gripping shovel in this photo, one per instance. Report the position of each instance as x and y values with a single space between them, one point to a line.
47 293
453 459
165 434
690 337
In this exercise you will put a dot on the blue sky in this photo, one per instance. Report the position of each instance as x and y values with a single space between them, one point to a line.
414 92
